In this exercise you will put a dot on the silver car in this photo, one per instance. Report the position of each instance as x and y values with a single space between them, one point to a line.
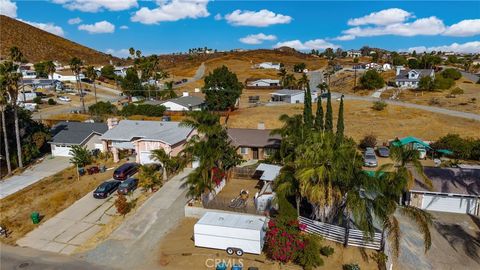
369 158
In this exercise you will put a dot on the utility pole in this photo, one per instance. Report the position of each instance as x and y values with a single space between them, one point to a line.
355 80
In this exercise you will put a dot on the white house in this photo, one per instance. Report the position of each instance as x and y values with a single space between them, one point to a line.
184 103
288 96
353 53
411 78
65 76
454 190
386 66
268 65
67 134
29 74
121 71
263 83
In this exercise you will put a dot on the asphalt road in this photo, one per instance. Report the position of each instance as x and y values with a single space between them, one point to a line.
198 75
31 259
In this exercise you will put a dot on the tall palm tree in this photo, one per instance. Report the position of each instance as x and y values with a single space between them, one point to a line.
282 74
168 92
11 78
148 177
17 57
3 107
91 73
50 68
303 82
76 67
169 164
290 81
287 184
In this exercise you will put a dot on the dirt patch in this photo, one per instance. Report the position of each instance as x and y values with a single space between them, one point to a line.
177 251
361 119
48 196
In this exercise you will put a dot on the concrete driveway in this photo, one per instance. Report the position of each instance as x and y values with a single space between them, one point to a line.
455 244
73 226
48 166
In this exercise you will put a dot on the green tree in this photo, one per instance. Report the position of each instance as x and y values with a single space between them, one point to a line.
76 67
50 68
81 156
340 124
131 84
329 53
222 89
40 69
168 92
329 114
413 63
91 73
451 73
102 108
307 108
371 80
299 67
3 108
170 164
426 83
290 82
319 115
107 71
148 177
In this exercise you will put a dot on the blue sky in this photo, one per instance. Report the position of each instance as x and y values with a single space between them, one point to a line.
165 26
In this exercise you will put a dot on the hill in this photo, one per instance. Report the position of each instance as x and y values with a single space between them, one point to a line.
38 45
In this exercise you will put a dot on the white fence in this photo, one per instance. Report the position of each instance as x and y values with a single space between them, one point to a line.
339 234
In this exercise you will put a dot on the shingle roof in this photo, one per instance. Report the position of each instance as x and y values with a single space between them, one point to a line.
253 137
403 74
130 130
451 181
287 92
188 101
74 133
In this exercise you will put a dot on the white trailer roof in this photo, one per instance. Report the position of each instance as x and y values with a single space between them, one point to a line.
248 222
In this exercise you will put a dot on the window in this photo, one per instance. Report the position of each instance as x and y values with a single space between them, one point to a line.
269 151
244 150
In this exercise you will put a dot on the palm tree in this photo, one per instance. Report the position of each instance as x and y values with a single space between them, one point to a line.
132 52
282 74
169 164
406 158
3 107
91 73
11 77
81 156
148 177
287 184
289 82
76 67
168 92
17 56
303 82
50 68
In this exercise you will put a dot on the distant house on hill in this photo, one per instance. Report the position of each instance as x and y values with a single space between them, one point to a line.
411 78
268 65
262 83
65 76
291 96
354 53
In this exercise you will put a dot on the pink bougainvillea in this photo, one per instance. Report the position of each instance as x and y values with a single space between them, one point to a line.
284 240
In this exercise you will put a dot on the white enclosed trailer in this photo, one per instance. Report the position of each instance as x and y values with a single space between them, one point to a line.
234 233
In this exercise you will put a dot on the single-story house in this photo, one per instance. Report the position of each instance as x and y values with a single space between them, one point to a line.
411 78
262 83
184 103
141 137
29 74
268 65
43 83
255 144
455 190
67 134
288 96
65 76
121 71
354 53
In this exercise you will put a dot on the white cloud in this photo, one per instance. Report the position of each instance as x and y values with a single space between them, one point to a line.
468 47
76 20
262 18
98 28
257 39
123 53
48 27
317 44
464 28
124 27
8 8
97 5
383 17
218 17
344 37
172 10
425 26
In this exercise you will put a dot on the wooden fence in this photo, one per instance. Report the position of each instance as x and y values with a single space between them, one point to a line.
339 234
243 172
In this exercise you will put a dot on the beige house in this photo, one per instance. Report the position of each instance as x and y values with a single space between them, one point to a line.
254 144
141 137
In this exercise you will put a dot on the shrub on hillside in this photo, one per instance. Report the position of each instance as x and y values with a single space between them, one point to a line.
371 80
51 101
143 109
443 83
368 141
379 105
310 257
457 91
351 266
451 73
463 148
102 108
326 251
37 100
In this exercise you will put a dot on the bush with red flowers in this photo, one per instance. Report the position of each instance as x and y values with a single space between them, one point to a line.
283 240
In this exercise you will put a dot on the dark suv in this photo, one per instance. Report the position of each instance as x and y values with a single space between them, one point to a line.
125 171
105 189
127 186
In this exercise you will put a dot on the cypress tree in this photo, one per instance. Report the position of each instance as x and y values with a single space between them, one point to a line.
319 115
329 114
340 124
307 108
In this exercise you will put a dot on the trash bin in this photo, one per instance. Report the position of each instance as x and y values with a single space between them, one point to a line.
221 266
237 267
35 216
103 168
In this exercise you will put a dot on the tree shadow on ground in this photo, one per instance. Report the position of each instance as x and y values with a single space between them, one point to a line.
459 239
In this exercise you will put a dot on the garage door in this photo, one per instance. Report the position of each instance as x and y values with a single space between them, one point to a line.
145 157
60 151
448 204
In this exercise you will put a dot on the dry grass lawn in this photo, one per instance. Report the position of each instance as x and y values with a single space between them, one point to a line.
49 196
360 119
177 251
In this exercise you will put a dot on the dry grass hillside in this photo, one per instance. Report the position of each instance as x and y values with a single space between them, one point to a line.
38 45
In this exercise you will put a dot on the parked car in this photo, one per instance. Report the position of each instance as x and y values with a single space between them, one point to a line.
383 151
105 189
64 98
127 186
124 171
369 158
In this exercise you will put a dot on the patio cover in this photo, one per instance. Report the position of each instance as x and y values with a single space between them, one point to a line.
270 172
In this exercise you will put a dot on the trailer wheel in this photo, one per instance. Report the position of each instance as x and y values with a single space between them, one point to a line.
230 251
239 252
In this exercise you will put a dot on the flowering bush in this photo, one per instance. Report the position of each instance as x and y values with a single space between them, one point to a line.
217 175
283 240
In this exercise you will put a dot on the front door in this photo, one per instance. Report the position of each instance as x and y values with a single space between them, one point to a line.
255 153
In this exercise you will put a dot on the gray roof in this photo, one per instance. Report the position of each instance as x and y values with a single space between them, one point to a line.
403 74
253 137
451 181
75 133
287 92
270 172
188 101
131 130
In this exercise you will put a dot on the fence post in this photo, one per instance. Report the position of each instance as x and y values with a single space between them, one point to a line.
347 230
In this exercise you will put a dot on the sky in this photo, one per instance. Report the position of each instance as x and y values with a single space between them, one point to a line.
166 26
